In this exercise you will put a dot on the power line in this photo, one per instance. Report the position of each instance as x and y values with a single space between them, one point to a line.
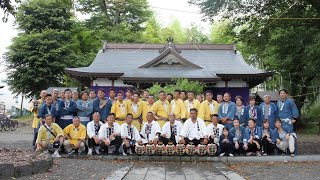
272 21
176 10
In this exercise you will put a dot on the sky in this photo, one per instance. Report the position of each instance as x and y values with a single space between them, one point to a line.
166 10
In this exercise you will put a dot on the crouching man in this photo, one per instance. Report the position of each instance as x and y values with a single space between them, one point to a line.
130 135
150 131
171 130
93 128
50 136
194 130
109 134
75 135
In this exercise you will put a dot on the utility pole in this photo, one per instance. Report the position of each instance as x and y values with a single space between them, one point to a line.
21 105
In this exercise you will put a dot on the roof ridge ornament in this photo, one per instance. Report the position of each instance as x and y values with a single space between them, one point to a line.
171 45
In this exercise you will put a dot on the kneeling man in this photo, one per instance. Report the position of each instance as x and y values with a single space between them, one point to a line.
194 130
93 128
50 136
130 135
75 136
150 130
109 134
171 130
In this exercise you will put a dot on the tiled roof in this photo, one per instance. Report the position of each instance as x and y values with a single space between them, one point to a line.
207 62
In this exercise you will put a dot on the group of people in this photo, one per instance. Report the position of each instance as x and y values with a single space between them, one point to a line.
65 121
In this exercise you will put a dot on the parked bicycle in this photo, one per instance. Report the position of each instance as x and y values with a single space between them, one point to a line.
6 124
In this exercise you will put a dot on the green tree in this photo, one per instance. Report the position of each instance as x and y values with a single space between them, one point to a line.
37 57
152 33
106 13
194 35
8 8
285 45
182 84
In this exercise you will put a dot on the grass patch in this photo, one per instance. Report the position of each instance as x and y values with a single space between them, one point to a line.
25 119
311 128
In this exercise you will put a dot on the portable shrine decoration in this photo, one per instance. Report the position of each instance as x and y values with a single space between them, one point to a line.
190 149
140 149
212 149
180 148
150 148
170 148
160 148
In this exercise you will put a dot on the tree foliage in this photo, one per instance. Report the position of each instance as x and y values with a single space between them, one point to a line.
46 45
8 8
287 46
182 84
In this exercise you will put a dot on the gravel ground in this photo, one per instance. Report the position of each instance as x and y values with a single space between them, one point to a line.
18 139
78 169
278 170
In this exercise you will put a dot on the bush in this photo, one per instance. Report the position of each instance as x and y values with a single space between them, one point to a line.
312 113
181 84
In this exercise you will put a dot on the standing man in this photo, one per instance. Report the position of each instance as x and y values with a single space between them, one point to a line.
92 95
130 136
75 96
191 103
268 110
35 107
67 109
120 108
194 130
160 109
219 99
288 112
129 94
150 130
109 134
112 95
47 108
147 107
85 108
50 136
75 136
177 106
135 108
145 95
227 111
171 130
183 95
251 111
93 128
102 105
208 108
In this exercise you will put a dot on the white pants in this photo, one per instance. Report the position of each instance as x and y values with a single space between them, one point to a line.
285 144
68 146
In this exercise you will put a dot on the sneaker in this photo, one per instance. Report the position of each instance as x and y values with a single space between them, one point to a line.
231 155
249 153
71 152
264 154
124 154
292 155
46 151
130 151
56 155
222 154
89 152
97 150
258 154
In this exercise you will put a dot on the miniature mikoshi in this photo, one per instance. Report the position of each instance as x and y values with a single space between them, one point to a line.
150 148
212 149
190 149
140 148
202 149
160 148
170 148
180 148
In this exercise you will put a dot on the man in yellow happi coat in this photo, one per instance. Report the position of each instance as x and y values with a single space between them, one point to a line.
75 136
120 108
190 103
35 107
208 108
160 109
